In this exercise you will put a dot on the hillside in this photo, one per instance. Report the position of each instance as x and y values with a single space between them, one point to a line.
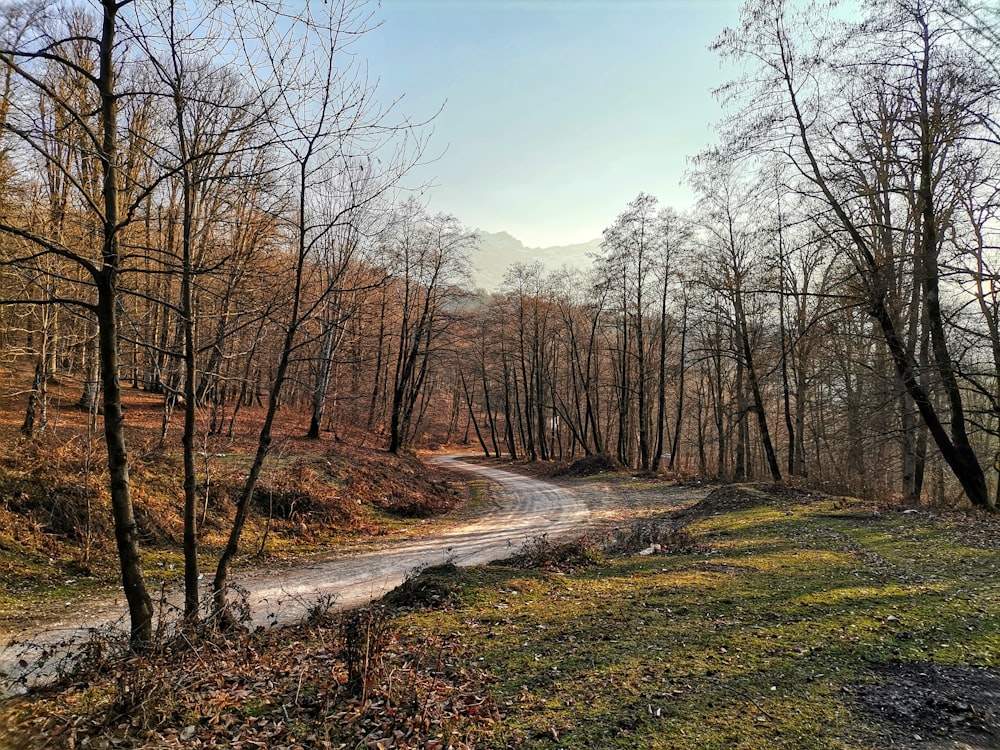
56 539
497 251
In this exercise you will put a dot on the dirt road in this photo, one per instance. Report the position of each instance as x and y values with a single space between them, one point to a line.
526 508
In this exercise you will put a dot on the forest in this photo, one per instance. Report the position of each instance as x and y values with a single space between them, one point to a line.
208 202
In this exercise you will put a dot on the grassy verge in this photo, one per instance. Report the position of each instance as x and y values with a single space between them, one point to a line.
782 621
769 636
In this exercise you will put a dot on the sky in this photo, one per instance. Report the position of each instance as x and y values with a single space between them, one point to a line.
554 114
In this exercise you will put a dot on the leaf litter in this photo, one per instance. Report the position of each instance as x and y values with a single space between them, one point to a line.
844 628
276 688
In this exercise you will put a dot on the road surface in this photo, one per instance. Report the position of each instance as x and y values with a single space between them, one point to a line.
526 508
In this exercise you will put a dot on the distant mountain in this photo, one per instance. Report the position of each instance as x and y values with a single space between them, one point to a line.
498 251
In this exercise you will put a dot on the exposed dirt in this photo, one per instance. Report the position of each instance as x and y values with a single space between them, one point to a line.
735 497
926 705
589 466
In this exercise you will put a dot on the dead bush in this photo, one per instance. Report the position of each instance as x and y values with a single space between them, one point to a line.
283 504
322 612
366 633
431 587
542 553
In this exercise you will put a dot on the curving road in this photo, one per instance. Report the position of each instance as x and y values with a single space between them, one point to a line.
526 508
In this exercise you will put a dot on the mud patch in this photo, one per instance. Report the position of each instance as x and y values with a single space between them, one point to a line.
923 705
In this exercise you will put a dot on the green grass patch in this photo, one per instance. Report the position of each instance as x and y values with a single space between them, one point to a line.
763 641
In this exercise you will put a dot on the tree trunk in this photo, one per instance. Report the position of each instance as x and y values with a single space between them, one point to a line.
188 443
108 300
472 416
140 605
331 337
221 579
35 412
751 373
91 368
741 465
675 445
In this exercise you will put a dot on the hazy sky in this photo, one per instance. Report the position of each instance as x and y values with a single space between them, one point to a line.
556 113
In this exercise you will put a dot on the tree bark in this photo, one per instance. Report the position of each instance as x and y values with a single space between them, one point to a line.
108 301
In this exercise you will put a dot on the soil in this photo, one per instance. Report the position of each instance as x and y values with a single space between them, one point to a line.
734 497
589 466
924 705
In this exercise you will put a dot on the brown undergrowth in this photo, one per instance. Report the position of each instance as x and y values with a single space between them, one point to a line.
56 540
351 680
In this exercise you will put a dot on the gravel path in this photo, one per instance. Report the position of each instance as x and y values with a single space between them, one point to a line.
526 508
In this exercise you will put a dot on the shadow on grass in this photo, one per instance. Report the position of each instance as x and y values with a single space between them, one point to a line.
779 637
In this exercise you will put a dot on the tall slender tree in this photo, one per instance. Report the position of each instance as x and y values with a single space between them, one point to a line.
30 44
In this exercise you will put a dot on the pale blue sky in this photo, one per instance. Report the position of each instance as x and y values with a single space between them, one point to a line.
556 113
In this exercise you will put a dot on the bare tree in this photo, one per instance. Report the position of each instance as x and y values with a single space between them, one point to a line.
812 94
431 266
580 304
211 121
733 248
326 120
348 267
32 42
631 253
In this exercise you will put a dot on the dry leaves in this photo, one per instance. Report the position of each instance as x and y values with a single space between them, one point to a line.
284 688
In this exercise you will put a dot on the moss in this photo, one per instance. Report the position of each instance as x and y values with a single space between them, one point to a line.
756 643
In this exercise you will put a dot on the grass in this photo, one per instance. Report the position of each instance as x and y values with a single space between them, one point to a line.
758 643
784 626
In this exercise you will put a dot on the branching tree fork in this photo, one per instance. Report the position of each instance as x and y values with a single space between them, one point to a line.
936 119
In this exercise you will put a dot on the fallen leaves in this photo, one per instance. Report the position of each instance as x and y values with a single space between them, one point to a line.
274 689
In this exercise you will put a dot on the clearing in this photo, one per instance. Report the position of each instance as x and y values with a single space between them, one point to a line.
758 617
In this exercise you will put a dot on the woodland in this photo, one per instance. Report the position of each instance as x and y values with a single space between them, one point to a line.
205 203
